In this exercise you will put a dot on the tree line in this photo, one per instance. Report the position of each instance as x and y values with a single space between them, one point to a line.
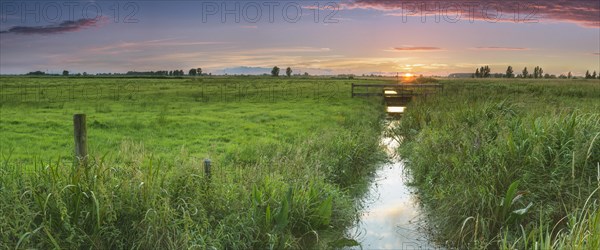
177 72
538 72
192 72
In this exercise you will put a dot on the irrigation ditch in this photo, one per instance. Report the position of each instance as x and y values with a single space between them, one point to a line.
390 215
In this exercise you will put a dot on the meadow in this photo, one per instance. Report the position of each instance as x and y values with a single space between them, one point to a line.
288 155
497 163
507 163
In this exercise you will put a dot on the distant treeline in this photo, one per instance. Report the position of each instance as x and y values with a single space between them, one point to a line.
178 72
482 72
538 72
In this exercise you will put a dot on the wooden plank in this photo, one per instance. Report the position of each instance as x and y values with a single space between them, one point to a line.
398 85
368 94
403 91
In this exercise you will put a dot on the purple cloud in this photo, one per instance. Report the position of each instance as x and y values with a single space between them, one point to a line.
66 26
583 12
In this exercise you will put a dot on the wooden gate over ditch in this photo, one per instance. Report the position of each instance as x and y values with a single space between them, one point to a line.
395 95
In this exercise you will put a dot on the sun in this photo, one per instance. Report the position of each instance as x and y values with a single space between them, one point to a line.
407 78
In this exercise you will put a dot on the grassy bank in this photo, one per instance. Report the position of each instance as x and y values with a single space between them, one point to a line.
512 164
286 154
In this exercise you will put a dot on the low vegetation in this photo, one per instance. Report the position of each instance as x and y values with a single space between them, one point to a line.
510 164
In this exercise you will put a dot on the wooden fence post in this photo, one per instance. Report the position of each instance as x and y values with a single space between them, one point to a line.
207 166
80 133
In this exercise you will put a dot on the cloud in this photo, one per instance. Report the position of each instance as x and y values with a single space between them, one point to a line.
138 46
422 48
598 53
283 50
581 12
500 48
245 70
66 26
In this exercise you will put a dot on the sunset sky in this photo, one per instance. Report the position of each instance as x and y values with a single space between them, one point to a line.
350 36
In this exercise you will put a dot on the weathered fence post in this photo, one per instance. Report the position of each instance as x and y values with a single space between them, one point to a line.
207 174
207 168
80 133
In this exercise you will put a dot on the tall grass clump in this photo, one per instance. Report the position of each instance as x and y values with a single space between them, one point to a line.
136 201
507 164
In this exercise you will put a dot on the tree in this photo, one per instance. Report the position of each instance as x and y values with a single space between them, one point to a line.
36 73
594 75
199 71
178 72
275 71
536 71
540 72
192 72
525 72
510 72
485 71
65 73
288 71
587 75
569 75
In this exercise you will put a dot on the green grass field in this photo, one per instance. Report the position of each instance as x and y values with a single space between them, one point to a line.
287 155
511 164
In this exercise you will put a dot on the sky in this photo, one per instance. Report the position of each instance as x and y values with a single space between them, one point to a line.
319 37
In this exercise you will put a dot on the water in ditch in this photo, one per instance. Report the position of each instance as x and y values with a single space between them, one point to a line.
391 217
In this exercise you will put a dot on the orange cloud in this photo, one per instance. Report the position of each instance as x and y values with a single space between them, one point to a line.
500 48
416 49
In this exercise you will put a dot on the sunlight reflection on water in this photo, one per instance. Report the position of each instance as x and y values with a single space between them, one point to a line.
393 109
390 218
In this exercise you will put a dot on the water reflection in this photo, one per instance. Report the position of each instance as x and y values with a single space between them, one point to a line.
394 109
390 218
